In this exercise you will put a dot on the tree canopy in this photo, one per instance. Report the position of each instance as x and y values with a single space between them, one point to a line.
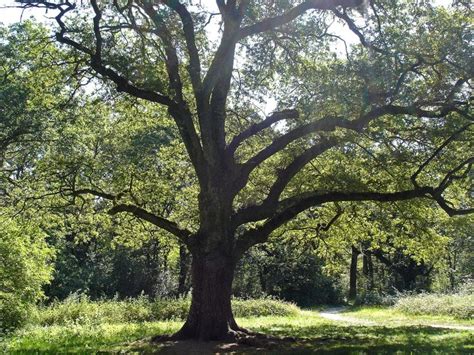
387 120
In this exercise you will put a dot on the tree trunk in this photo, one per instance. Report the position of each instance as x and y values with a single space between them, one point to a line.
367 268
353 274
183 270
210 316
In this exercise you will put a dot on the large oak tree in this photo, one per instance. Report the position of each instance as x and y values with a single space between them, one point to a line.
405 86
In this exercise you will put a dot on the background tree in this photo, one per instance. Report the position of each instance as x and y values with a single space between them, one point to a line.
25 266
406 87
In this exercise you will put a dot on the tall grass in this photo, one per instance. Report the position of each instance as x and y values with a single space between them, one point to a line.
79 309
456 305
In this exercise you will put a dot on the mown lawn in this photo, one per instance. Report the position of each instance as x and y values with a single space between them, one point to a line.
313 334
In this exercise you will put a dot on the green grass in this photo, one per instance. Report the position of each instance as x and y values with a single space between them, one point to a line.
395 316
455 305
315 334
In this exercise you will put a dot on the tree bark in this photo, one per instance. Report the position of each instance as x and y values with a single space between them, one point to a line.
367 268
353 274
210 316
183 271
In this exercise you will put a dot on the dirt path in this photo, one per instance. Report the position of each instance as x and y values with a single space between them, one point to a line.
335 314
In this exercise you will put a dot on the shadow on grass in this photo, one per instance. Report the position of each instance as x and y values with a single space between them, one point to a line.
310 339
381 340
332 339
84 339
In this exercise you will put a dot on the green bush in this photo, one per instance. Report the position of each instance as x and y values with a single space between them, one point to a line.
25 266
79 309
263 307
373 298
456 305
171 309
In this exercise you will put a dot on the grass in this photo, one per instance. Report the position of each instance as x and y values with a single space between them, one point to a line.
78 309
455 305
395 316
315 334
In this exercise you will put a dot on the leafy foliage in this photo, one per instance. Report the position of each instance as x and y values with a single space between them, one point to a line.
25 267
79 309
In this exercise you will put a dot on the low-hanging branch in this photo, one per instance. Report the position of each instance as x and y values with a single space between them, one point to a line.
137 211
158 221
283 211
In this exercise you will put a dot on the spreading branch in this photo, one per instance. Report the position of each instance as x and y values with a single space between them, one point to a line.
272 23
258 127
143 214
122 83
283 211
437 152
327 124
139 212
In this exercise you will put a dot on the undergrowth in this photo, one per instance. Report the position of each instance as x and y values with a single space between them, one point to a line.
455 305
79 309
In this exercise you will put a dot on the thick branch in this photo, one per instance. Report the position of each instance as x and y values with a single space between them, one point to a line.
138 212
194 68
179 112
258 212
171 61
163 223
323 125
287 209
258 127
290 208
269 24
123 85
329 124
212 100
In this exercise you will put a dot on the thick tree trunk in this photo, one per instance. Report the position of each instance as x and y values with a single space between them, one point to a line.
212 268
210 316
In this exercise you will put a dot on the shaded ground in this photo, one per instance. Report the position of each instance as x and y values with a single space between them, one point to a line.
314 334
407 340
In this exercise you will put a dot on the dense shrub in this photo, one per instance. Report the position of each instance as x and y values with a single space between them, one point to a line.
455 305
373 298
276 270
263 307
102 270
80 309
24 268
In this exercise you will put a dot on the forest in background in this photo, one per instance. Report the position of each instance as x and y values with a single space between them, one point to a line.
59 129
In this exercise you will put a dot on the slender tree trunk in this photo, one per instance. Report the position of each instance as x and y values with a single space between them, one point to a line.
367 268
210 316
370 265
183 270
353 274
